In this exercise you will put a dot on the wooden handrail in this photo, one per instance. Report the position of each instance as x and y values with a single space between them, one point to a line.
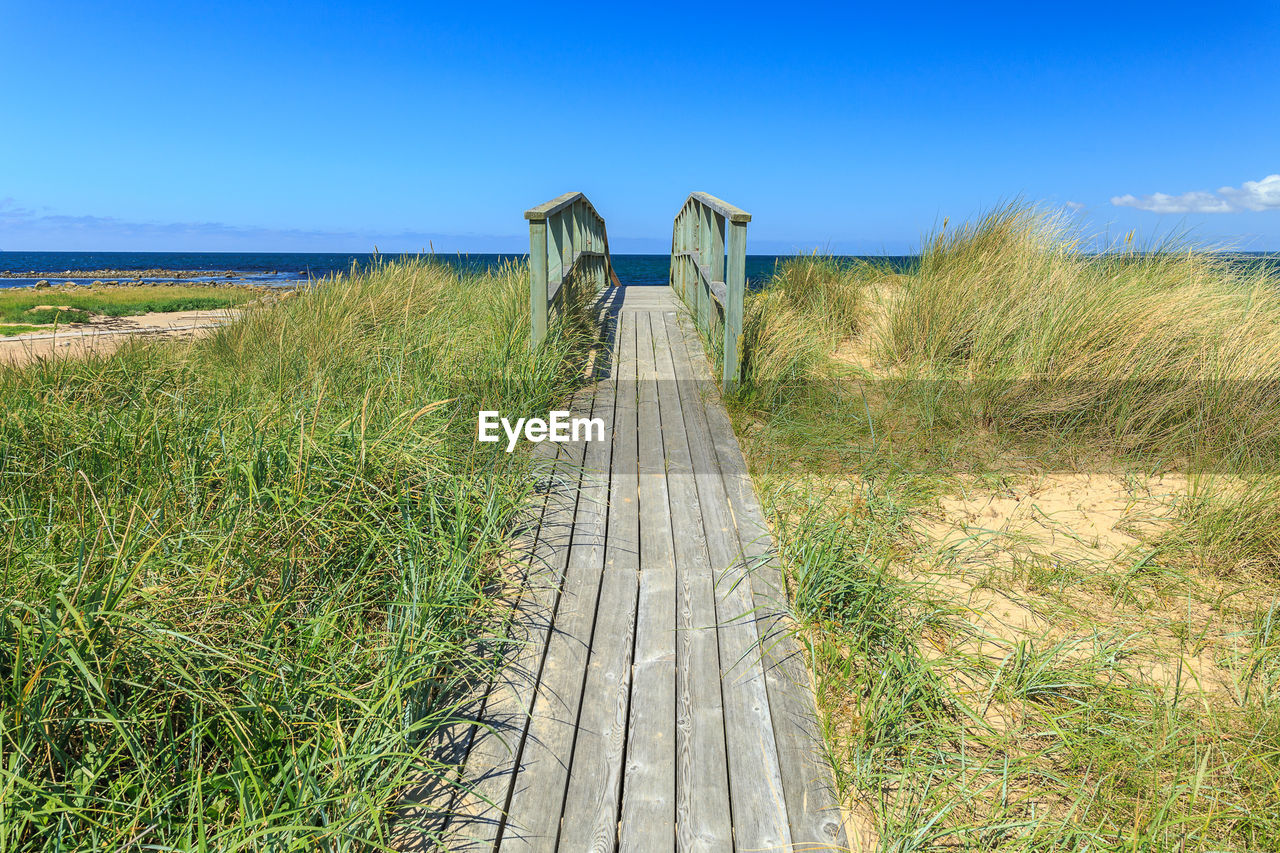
734 214
567 237
556 205
712 287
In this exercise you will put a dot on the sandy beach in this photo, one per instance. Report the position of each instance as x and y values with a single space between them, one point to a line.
106 334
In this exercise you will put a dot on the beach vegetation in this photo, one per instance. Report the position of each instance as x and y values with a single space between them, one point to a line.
1027 500
250 579
19 329
24 305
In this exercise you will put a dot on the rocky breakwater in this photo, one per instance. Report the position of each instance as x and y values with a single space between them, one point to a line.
126 277
81 287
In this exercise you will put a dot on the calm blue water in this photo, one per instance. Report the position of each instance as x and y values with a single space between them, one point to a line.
285 268
288 268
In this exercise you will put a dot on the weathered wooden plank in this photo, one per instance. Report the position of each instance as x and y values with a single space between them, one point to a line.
691 243
719 293
734 214
706 227
715 247
702 782
591 806
681 240
755 783
812 805
496 739
661 299
733 305
538 280
673 274
712 277
557 255
648 793
562 223
533 816
579 263
556 205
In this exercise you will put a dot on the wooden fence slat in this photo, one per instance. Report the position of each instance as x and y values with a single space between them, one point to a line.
706 310
538 279
557 251
735 297
714 259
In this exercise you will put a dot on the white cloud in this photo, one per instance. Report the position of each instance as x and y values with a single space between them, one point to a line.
1251 195
1255 195
1075 205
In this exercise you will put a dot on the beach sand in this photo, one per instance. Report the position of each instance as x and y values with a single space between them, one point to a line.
106 334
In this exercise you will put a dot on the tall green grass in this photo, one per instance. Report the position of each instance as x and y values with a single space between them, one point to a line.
871 393
812 303
23 305
1169 350
245 578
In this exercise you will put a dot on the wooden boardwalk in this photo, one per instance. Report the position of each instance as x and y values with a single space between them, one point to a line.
653 701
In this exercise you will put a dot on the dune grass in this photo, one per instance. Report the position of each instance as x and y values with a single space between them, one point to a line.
245 577
37 307
1169 350
20 329
990 686
811 304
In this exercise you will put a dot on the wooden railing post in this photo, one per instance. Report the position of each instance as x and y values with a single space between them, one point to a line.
735 297
538 307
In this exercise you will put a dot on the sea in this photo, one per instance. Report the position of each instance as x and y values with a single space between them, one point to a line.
288 269
291 268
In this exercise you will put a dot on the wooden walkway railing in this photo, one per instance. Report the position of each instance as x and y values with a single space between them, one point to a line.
713 289
567 237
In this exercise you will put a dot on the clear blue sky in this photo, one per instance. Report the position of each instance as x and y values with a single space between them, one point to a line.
334 126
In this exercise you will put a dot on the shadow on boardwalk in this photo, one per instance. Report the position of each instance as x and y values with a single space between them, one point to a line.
651 697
